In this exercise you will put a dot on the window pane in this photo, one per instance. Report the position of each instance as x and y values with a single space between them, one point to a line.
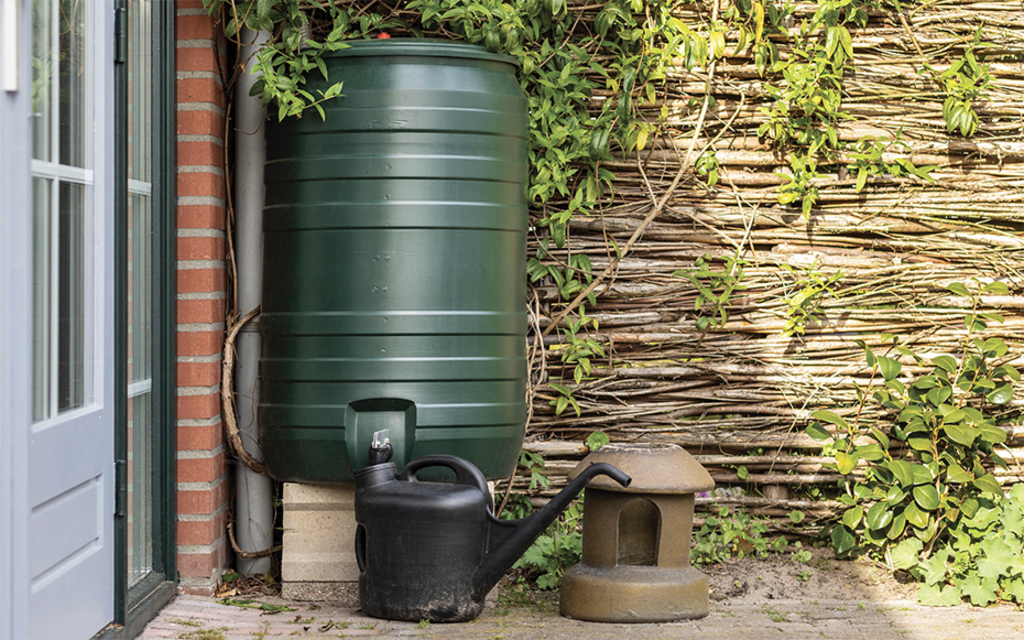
140 289
140 488
140 292
72 82
71 297
41 294
42 79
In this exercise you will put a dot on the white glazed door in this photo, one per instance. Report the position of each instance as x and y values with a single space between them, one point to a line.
66 582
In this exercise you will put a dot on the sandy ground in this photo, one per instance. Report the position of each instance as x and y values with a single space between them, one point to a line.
777 598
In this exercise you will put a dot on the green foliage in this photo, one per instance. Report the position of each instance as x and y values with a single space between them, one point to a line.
804 305
965 82
554 551
732 533
596 440
714 288
867 154
926 483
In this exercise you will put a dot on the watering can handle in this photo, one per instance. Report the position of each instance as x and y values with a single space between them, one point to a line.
465 472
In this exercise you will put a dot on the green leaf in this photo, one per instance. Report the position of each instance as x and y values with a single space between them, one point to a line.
921 473
938 595
827 416
902 470
879 516
957 474
927 497
958 288
889 367
842 540
1001 395
816 432
596 440
988 484
845 462
915 516
852 516
934 569
905 554
996 557
982 592
945 363
961 433
881 437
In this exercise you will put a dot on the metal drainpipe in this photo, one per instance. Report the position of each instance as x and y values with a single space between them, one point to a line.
254 493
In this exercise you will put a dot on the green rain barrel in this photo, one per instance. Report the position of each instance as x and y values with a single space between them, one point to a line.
394 240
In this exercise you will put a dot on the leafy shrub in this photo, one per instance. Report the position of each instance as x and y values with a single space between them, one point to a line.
927 493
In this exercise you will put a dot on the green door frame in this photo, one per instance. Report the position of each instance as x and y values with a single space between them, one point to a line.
135 607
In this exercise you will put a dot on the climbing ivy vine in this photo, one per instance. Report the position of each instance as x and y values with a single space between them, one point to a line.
587 70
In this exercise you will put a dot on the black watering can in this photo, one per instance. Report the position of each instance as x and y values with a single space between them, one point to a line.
433 550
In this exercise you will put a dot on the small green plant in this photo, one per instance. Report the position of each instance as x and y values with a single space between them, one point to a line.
965 82
559 548
805 575
775 615
732 533
868 160
707 166
596 440
217 633
805 305
714 288
423 624
802 555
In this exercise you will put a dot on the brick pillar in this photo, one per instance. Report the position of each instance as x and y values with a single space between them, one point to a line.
202 300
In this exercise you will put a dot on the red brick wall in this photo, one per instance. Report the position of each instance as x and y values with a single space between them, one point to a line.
202 474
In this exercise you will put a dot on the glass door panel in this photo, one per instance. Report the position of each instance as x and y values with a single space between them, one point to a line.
140 354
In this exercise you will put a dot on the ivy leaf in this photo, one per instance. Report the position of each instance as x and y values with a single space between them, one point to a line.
926 497
846 462
890 368
961 433
827 416
956 473
958 288
921 473
904 555
852 516
988 484
915 516
816 432
1001 395
946 363
902 470
842 540
879 516
939 596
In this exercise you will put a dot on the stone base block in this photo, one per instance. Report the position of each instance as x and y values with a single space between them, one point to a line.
633 594
318 561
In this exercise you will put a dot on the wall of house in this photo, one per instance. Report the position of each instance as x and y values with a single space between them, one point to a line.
202 300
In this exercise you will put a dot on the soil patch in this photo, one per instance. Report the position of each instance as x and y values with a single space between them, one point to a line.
758 581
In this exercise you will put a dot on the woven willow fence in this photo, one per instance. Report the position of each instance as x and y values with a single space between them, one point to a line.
740 395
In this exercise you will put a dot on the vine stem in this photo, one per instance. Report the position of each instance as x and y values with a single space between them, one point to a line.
659 206
227 395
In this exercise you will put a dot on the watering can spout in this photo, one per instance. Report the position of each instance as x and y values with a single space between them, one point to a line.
509 539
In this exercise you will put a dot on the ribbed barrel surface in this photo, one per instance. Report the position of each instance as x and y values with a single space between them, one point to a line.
394 264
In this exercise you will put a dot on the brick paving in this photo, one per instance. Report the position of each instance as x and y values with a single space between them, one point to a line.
203 618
